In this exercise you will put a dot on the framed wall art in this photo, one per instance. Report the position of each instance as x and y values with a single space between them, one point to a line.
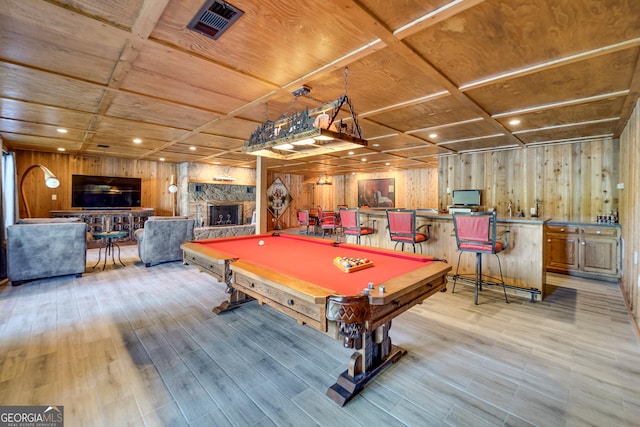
278 198
377 193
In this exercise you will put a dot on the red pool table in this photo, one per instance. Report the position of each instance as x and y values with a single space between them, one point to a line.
297 276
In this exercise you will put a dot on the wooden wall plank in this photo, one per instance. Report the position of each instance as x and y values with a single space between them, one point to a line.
575 182
578 178
630 211
155 179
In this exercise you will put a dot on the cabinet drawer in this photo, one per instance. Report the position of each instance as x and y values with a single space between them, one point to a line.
600 231
565 229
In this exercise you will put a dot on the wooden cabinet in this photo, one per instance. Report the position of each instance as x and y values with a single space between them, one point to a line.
562 248
584 250
110 220
599 248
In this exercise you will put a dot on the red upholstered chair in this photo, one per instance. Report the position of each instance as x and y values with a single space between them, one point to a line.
318 213
314 217
350 224
304 221
402 228
477 232
328 222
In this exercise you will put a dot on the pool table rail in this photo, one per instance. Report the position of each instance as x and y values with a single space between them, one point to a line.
403 301
298 299
208 260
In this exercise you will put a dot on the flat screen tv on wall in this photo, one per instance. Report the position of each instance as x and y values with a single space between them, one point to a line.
105 192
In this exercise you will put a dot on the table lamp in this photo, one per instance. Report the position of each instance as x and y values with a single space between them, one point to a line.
50 181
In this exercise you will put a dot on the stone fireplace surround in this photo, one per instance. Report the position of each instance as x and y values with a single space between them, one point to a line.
241 199
198 188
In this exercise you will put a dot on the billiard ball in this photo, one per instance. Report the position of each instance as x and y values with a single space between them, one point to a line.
261 243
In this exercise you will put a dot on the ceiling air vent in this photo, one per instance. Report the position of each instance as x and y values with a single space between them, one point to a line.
214 18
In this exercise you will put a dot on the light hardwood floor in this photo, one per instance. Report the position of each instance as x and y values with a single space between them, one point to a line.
140 346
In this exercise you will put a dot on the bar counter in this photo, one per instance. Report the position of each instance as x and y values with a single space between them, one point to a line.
523 262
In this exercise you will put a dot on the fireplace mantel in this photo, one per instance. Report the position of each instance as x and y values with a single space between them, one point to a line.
212 181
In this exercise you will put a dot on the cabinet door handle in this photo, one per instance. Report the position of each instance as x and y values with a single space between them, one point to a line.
548 240
583 243
562 229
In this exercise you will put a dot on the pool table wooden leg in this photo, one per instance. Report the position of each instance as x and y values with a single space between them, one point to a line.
235 298
375 355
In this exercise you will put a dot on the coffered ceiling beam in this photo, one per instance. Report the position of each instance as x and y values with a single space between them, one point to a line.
374 25
582 56
150 13
552 105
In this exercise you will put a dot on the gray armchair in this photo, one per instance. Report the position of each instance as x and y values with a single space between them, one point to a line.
160 239
46 247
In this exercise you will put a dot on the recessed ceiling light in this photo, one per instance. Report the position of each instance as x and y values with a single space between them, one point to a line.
61 130
433 135
351 153
137 140
161 159
387 164
61 149
514 122
376 145
363 159
192 148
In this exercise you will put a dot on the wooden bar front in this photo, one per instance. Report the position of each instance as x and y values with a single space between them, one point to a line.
523 262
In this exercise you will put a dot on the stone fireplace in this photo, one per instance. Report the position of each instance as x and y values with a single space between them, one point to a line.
207 201
225 214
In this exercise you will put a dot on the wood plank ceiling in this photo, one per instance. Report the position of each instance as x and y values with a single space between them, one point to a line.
427 77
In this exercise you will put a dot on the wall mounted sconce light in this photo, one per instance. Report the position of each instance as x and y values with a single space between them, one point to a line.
50 181
173 189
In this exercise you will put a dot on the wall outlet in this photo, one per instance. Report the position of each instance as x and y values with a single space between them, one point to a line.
54 197
448 190
620 186
532 211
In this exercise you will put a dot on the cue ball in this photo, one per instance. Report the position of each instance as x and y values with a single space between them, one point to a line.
261 243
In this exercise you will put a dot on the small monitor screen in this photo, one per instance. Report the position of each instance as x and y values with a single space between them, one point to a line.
466 197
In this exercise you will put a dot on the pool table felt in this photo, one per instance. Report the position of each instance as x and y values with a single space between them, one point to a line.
311 260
